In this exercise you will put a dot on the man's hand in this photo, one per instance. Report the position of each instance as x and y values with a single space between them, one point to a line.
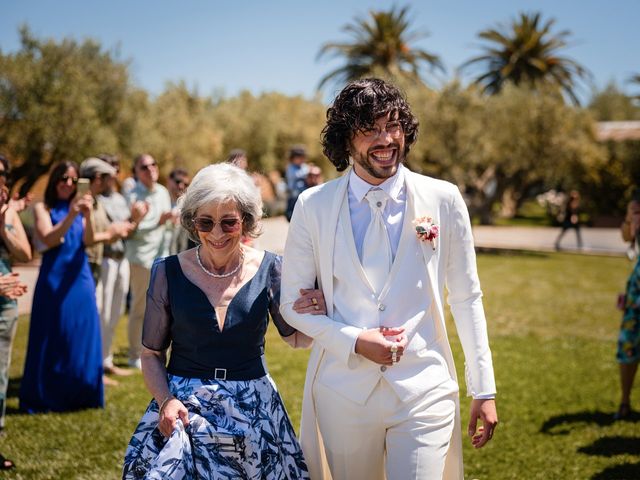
485 410
138 211
373 345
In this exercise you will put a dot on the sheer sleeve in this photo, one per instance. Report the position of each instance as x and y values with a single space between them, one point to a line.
283 327
157 314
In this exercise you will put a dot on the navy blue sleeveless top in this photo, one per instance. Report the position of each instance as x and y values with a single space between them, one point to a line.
198 348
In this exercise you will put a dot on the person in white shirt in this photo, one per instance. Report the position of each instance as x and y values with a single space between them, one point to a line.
381 394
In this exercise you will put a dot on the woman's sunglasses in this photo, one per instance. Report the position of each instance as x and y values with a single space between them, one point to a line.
228 225
65 178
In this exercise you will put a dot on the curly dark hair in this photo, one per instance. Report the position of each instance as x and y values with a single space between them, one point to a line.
356 108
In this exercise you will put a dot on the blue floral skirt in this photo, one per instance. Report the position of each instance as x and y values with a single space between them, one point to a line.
629 338
237 430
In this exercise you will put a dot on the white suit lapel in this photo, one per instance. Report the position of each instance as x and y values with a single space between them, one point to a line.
420 204
326 239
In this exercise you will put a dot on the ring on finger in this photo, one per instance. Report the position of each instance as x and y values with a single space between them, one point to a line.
394 357
314 301
394 349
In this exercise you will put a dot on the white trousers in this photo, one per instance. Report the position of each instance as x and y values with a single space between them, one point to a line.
139 283
386 438
114 286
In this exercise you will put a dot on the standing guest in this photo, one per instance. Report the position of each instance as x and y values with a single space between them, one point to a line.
146 243
105 232
177 236
14 244
210 307
115 267
314 176
628 354
571 218
238 157
296 176
99 173
63 368
381 393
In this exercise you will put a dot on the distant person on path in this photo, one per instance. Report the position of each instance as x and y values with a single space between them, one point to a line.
296 176
216 412
571 218
14 245
146 243
381 395
629 339
63 367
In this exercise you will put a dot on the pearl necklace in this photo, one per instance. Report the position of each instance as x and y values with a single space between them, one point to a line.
223 275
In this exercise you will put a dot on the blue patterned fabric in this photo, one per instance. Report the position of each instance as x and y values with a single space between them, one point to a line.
237 430
629 337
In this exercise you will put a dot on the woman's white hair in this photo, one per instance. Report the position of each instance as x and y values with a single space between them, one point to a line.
219 183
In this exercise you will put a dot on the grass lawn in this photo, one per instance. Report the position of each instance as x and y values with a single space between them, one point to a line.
553 328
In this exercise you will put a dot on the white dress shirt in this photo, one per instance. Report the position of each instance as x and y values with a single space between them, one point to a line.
393 213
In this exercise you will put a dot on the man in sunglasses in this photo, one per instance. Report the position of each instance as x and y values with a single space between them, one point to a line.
381 394
146 243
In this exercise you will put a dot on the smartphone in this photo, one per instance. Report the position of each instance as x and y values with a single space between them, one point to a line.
83 186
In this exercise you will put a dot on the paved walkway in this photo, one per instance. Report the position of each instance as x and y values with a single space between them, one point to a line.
603 241
599 241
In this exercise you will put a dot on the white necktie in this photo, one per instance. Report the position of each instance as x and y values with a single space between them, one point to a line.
376 249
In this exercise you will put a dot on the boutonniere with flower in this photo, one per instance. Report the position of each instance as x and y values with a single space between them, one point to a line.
426 230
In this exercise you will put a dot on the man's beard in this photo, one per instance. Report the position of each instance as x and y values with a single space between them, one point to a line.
379 172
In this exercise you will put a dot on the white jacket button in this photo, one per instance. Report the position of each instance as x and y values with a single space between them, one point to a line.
383 368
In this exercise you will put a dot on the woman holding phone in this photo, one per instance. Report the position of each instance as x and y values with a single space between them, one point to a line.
63 369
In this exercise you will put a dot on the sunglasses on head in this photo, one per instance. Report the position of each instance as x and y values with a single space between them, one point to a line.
66 178
228 225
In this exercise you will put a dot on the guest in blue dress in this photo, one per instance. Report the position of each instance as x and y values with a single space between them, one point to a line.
216 413
63 368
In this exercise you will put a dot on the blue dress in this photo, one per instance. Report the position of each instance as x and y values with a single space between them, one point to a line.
238 426
63 369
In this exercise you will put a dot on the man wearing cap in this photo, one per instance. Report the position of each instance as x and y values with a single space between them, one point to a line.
296 176
100 174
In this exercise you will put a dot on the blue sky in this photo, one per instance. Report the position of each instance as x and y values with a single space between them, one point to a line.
271 45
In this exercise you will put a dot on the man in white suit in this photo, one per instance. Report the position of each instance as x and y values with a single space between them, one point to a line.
381 395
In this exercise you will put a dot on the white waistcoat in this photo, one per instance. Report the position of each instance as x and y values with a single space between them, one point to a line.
405 301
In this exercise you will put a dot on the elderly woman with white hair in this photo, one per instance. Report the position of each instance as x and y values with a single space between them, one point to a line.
216 412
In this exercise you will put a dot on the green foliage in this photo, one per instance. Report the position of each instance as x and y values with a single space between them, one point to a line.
526 53
611 104
61 101
381 45
552 337
475 142
268 125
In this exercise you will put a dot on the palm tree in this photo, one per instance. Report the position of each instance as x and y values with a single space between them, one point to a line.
381 43
526 52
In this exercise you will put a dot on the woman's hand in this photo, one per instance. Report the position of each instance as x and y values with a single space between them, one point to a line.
11 286
310 301
82 204
172 411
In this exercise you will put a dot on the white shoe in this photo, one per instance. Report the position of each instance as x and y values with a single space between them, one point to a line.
135 364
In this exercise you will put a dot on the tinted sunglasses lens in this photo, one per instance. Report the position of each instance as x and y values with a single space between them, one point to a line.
203 225
3 173
148 166
230 225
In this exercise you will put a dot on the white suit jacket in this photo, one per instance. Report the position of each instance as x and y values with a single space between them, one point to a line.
308 257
